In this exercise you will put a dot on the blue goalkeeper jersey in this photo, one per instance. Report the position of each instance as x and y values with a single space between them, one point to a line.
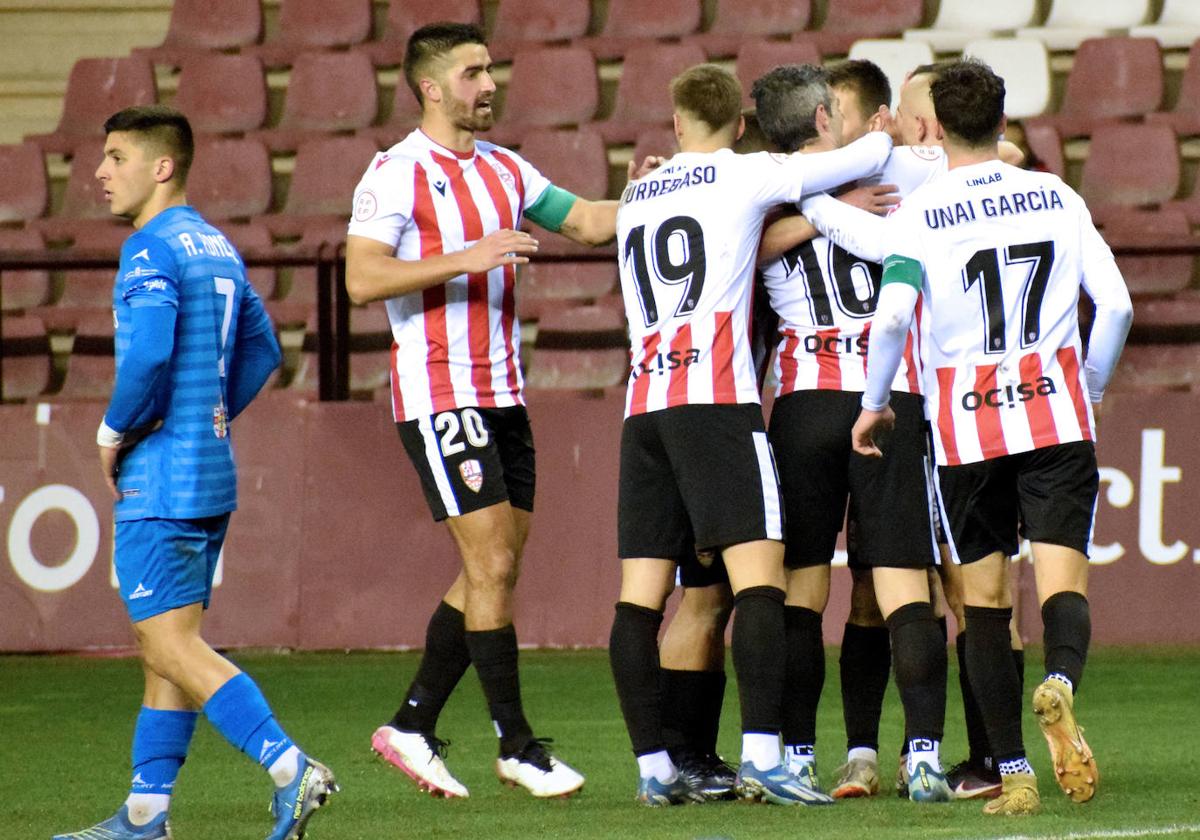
185 469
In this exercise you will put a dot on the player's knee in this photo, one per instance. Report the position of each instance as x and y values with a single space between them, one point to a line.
493 568
165 656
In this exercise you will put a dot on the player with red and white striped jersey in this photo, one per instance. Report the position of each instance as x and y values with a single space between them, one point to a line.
434 233
696 468
998 256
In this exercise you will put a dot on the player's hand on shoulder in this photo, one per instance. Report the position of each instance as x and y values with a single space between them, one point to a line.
501 247
868 428
878 198
649 164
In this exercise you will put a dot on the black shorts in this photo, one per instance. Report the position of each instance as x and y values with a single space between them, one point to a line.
1047 495
702 569
472 458
696 477
890 498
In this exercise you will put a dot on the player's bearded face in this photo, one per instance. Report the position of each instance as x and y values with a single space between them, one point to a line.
468 90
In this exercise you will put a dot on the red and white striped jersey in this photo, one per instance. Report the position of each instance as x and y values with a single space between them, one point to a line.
1004 252
687 236
825 296
456 344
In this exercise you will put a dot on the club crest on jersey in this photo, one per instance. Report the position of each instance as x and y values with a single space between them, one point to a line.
220 422
927 152
472 474
365 206
505 176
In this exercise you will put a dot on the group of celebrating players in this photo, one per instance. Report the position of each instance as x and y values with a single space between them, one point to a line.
933 394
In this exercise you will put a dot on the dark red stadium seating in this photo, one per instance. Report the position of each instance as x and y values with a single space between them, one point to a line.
307 25
96 89
643 99
328 92
1111 79
550 87
327 170
25 185
248 238
629 25
544 287
370 348
404 117
847 21
222 94
580 348
1152 275
574 160
1046 145
1166 319
230 178
659 142
91 370
1130 166
739 21
1185 116
521 23
1157 367
26 357
90 289
758 56
202 26
83 203
407 16
22 289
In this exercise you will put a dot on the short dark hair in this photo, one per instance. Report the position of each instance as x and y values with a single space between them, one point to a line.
786 101
166 130
869 83
968 100
433 41
709 93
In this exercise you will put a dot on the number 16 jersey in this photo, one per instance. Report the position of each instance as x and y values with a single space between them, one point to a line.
687 238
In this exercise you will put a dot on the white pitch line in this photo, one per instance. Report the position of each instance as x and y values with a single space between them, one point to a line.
1155 831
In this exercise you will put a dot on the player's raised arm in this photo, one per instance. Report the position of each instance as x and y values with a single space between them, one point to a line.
825 171
859 232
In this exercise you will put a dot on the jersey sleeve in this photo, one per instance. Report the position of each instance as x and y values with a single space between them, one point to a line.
798 174
148 274
1106 287
383 199
855 230
532 180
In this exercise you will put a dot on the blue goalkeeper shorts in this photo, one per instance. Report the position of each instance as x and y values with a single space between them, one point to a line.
163 564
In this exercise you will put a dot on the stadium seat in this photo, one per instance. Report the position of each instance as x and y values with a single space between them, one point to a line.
26 357
521 23
222 94
1185 116
230 178
89 289
580 348
550 87
22 289
628 25
1046 145
250 239
1130 166
959 22
544 286
1157 367
1024 65
370 348
1071 22
405 115
308 25
643 99
1152 274
1175 318
25 187
1111 79
894 56
203 26
91 368
323 180
758 56
328 92
574 160
737 21
405 17
1177 27
96 89
83 203
847 21
660 142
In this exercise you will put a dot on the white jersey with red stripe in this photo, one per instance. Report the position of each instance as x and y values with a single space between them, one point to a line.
456 344
687 235
1005 252
825 297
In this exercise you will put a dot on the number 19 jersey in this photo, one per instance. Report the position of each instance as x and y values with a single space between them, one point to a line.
687 236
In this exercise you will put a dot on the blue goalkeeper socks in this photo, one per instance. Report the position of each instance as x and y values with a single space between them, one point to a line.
240 713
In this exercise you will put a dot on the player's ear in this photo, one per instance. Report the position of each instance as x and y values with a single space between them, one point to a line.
431 91
164 169
741 129
1003 127
879 119
678 123
821 118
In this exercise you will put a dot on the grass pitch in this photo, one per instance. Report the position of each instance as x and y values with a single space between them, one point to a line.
66 723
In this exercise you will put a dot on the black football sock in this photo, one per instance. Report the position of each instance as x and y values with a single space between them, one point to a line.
1067 620
443 664
865 661
494 654
920 655
977 740
691 709
633 655
804 675
994 679
758 656
1019 661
